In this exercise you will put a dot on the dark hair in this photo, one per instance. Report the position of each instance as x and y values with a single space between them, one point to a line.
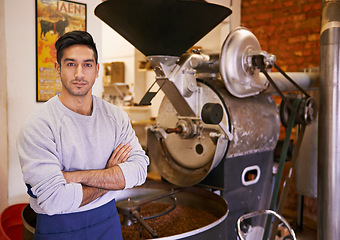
75 38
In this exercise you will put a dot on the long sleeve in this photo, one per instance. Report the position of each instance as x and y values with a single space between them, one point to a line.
41 169
135 169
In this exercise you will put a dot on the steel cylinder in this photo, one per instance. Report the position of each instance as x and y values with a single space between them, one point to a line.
329 124
186 159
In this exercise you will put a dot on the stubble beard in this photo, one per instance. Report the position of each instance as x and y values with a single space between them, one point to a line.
75 91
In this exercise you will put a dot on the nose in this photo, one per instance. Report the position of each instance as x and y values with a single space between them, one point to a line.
79 74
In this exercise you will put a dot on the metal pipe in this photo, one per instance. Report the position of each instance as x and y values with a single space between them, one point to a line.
306 80
329 123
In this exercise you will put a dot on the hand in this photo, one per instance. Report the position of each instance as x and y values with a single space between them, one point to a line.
67 176
119 155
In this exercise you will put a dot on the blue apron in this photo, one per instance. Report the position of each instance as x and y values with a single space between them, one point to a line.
101 223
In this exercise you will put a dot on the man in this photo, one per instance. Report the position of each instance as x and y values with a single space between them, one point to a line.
78 151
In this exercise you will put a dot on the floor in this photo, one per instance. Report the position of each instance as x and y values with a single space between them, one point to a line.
306 234
308 230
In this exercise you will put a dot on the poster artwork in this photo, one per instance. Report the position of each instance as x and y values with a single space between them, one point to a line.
53 19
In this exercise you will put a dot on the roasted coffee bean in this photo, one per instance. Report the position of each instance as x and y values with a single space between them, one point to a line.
182 219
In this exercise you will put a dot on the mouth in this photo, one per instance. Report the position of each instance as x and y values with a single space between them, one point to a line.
79 83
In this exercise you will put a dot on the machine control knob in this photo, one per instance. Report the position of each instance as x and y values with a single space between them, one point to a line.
212 113
185 128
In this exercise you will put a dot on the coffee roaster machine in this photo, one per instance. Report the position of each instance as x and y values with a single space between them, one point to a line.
218 125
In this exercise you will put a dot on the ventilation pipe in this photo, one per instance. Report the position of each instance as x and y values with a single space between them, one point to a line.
329 123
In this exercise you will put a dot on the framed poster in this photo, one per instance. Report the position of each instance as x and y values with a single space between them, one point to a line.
53 19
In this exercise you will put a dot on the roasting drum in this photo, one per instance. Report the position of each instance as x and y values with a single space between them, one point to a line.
253 124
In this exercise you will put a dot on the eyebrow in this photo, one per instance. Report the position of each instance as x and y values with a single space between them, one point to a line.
73 60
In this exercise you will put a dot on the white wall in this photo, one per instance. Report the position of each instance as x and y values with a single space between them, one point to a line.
3 114
21 80
117 49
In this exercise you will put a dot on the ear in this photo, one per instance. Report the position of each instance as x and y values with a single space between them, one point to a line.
57 68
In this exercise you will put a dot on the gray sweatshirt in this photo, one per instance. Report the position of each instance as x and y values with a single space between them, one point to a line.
57 139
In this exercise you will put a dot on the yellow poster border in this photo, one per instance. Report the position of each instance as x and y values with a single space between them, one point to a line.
53 19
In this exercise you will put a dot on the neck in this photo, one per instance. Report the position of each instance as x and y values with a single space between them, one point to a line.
79 104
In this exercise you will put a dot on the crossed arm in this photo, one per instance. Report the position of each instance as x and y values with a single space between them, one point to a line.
96 183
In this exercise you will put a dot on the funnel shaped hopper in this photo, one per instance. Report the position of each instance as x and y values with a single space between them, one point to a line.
161 27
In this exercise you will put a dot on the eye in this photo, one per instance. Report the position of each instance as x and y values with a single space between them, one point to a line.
88 65
70 64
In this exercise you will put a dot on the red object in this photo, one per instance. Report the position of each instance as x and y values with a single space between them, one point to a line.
11 222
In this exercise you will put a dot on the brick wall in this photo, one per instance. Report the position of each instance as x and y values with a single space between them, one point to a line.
291 31
288 29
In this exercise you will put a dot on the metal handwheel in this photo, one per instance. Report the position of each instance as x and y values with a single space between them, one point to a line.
261 212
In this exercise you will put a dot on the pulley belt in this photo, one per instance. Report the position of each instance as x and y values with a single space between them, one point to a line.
280 168
284 192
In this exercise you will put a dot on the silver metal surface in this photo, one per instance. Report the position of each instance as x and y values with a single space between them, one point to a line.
177 79
195 197
176 97
233 64
174 87
186 160
306 80
252 124
208 64
329 124
164 63
243 79
255 123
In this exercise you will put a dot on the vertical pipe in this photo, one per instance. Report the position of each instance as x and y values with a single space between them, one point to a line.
329 124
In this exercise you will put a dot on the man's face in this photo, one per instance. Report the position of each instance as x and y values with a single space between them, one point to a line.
77 70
